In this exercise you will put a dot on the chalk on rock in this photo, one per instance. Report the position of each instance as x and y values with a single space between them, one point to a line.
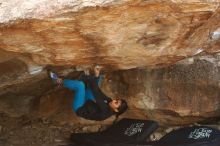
199 50
34 69
215 35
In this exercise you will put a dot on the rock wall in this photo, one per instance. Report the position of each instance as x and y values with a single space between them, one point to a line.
182 93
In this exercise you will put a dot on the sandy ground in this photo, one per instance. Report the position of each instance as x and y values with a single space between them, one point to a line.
24 131
27 131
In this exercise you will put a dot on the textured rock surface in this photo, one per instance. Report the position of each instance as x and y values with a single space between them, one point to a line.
19 9
183 93
121 35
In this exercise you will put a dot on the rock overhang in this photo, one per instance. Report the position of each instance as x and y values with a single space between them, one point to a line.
118 35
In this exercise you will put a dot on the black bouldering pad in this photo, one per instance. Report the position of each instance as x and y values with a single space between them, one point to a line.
190 136
130 131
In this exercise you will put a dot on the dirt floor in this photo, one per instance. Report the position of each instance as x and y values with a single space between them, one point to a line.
27 131
24 131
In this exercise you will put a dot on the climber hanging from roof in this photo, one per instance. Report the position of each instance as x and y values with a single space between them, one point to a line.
89 101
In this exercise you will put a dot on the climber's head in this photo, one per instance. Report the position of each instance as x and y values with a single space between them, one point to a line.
119 106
